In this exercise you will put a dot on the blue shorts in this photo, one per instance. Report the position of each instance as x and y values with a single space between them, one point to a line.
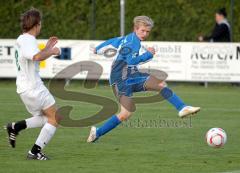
134 83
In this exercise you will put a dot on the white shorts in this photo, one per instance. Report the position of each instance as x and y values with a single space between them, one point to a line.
37 99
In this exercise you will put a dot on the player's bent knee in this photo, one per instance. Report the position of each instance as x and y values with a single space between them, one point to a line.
123 116
52 115
52 122
162 85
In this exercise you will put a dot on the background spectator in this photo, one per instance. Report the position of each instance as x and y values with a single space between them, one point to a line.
221 31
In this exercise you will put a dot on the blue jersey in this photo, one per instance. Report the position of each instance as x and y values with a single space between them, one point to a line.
129 55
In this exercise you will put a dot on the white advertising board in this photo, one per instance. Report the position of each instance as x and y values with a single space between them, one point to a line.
182 61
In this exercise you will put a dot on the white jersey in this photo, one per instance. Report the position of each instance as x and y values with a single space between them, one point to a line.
27 69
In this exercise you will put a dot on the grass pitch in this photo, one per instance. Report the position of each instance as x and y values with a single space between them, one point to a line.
153 140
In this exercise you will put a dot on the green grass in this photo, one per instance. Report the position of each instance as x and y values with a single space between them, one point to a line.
128 148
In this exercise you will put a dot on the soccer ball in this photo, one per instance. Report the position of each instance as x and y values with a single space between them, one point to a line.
216 137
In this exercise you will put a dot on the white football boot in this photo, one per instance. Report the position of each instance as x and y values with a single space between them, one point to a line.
188 111
93 135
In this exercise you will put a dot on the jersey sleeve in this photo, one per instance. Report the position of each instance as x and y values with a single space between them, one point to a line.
29 48
131 57
111 43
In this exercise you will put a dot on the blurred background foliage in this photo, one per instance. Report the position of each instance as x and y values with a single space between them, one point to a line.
175 20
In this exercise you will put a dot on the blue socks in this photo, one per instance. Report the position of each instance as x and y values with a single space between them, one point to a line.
172 98
113 122
108 126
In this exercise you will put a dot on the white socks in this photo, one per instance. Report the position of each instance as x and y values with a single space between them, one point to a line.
45 135
47 131
36 121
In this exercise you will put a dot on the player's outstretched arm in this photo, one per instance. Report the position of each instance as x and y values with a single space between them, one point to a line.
140 59
111 43
48 51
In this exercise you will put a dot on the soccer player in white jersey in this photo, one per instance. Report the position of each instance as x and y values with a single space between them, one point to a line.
36 97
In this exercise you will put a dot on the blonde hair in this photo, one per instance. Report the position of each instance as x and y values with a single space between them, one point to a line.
143 20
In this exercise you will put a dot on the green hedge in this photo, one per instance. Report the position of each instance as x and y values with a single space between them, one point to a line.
175 20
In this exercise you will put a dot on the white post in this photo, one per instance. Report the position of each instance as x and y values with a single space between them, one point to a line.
122 17
206 84
67 82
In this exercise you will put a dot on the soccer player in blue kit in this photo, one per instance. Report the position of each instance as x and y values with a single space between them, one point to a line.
127 79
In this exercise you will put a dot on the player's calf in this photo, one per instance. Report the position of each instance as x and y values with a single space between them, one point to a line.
183 109
110 124
127 107
46 134
154 84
